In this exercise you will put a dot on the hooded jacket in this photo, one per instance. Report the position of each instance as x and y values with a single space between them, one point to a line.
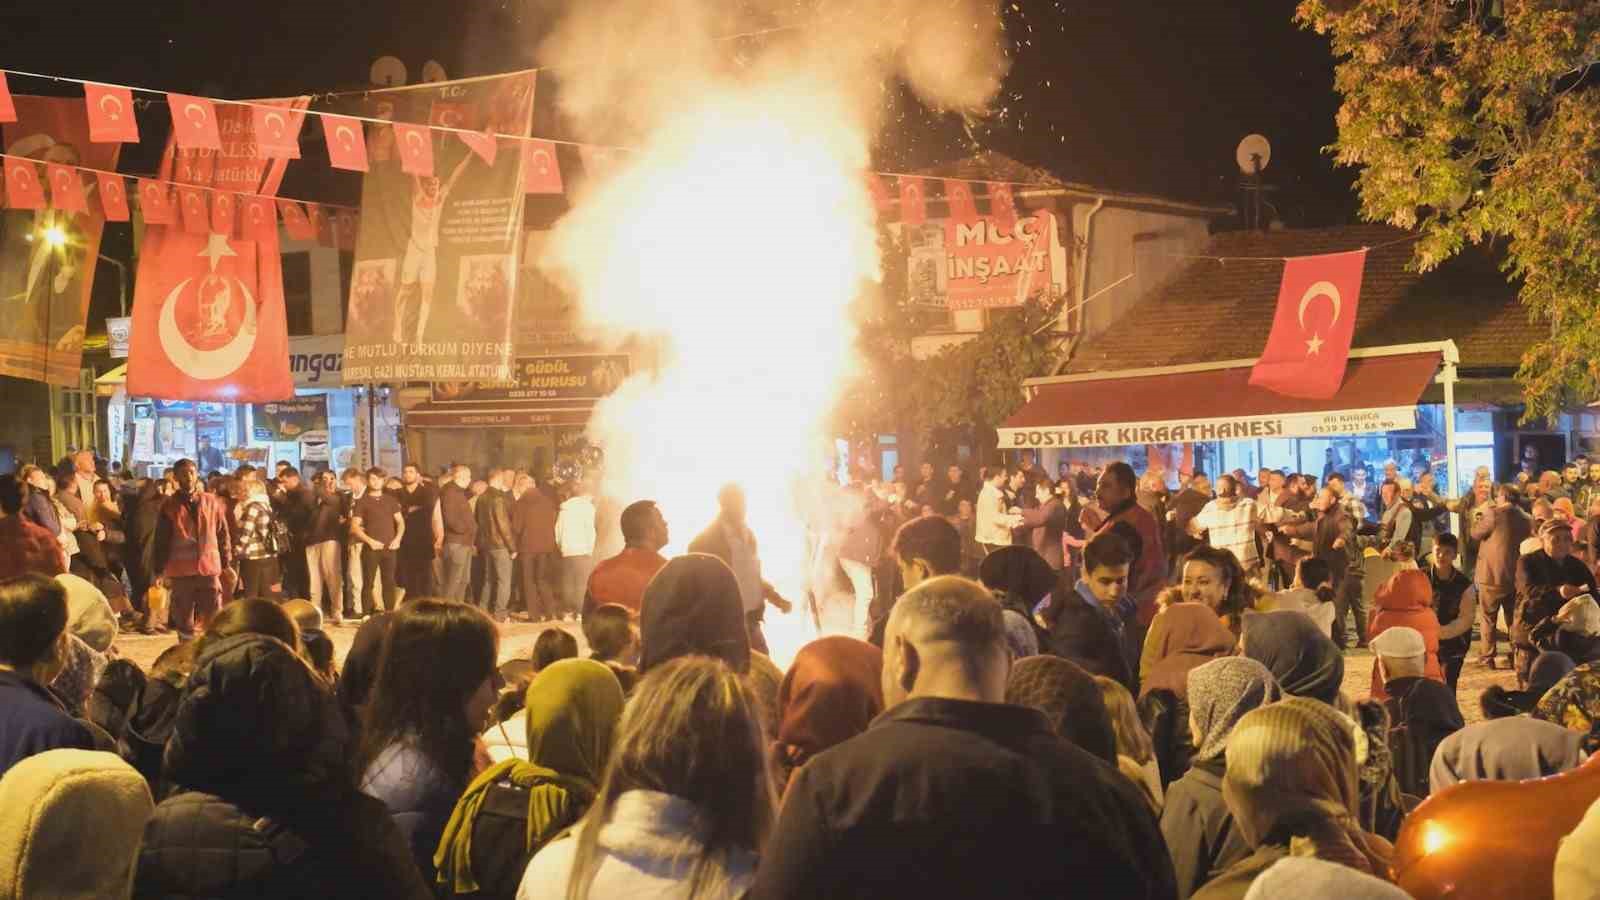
262 802
691 607
45 802
1406 599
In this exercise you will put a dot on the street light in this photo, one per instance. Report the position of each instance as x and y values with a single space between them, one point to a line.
55 236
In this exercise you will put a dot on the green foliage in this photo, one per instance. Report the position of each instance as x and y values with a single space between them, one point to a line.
974 384
1474 121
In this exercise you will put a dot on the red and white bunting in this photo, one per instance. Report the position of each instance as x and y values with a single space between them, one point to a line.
416 148
541 173
878 191
8 109
192 206
482 144
347 143
913 200
277 131
66 188
194 122
23 190
295 222
958 195
260 217
113 197
111 118
1002 206
155 202
222 213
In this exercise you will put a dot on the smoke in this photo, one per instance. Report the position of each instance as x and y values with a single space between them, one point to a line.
736 234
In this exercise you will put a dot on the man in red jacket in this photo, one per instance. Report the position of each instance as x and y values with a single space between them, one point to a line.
191 550
622 578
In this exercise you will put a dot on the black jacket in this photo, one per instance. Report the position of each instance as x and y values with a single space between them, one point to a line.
1422 713
324 523
261 802
1539 581
952 798
1085 636
1166 718
459 525
494 521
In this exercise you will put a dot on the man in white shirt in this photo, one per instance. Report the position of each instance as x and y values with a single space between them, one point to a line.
1230 523
84 477
994 522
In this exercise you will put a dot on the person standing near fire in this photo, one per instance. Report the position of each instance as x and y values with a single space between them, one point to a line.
730 539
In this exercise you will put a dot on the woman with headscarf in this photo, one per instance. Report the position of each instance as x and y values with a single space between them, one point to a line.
1020 579
1291 786
1182 637
1550 667
1309 878
1406 600
45 802
1574 704
1195 821
1510 749
692 607
516 807
832 692
1069 697
1306 662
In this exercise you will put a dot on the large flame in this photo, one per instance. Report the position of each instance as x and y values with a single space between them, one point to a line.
733 242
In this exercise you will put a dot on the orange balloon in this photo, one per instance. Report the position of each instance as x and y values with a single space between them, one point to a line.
1492 839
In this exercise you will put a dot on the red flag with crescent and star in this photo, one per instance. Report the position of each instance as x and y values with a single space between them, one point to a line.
1309 346
155 202
111 118
208 323
541 174
277 129
958 195
8 107
193 207
113 197
23 190
1002 205
260 217
347 142
66 189
913 200
416 149
295 222
222 212
194 122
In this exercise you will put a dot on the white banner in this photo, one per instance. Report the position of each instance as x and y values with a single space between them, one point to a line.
316 360
1238 428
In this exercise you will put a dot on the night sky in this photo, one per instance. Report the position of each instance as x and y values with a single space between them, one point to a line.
1149 97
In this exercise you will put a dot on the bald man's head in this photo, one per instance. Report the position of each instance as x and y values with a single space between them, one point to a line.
945 638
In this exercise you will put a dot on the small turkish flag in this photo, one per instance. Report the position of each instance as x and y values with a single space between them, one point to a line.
192 205
1309 345
260 218
277 131
541 174
451 115
320 225
8 109
222 213
66 190
155 202
23 190
958 194
347 143
879 192
194 122
111 118
484 145
295 222
1002 205
114 197
346 226
913 201
416 149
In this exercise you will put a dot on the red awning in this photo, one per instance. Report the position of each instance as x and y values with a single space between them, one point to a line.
1380 393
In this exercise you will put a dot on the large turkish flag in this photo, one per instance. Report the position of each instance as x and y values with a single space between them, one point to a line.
1309 345
208 320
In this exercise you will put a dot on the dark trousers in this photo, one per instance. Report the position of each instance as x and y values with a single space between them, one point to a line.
752 623
495 595
195 599
1347 600
537 574
1452 669
414 571
296 578
377 561
1493 599
257 576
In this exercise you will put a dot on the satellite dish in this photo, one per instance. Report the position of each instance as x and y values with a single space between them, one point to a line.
388 71
432 72
1253 154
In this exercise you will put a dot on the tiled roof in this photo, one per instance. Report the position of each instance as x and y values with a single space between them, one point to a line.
1213 310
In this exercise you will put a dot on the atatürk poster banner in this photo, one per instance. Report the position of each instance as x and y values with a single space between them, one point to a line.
434 279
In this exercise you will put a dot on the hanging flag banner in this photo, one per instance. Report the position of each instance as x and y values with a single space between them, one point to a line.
8 109
113 197
47 256
208 310
260 218
347 142
295 222
878 191
958 196
1002 205
436 253
275 125
222 212
192 205
1309 344
66 189
23 190
541 174
913 200
982 264
194 122
110 114
155 202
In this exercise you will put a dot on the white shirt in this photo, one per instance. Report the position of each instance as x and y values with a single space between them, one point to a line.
994 523
1231 529
85 486
1306 600
575 533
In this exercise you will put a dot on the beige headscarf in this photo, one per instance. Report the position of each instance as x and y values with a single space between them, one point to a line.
1292 780
70 826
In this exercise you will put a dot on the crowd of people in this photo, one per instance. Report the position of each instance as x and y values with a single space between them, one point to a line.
1045 690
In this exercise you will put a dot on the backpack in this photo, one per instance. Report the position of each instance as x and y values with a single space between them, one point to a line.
500 851
1410 748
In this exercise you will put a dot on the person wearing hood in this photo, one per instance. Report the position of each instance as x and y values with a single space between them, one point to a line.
261 799
1574 703
1182 637
1070 699
513 809
1496 702
692 608
1199 829
46 801
831 693
1291 786
730 539
1021 580
1406 601
1305 662
1309 878
576 535
1510 749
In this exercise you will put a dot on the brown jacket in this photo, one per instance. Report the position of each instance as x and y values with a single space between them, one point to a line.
1501 531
